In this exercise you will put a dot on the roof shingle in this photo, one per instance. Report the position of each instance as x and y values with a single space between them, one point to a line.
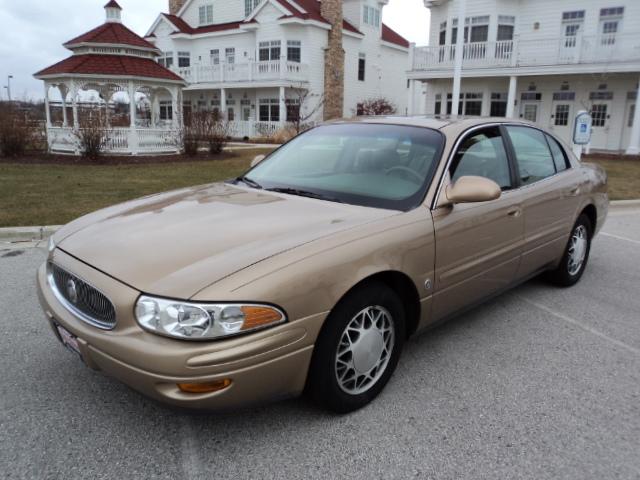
116 65
111 33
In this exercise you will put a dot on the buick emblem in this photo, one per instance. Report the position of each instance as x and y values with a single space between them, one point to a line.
72 292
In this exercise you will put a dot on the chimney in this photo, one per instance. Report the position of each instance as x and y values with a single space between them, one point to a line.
175 6
331 10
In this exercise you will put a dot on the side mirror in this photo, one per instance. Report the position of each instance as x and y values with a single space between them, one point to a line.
257 160
470 189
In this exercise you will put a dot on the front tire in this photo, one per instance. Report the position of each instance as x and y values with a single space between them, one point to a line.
358 348
576 255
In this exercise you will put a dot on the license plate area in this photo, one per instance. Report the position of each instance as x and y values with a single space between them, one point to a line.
69 340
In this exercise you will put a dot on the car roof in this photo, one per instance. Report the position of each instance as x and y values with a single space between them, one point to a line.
444 123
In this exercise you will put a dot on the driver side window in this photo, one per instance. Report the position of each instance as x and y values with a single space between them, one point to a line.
483 154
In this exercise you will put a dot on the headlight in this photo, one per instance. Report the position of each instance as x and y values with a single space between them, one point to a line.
202 321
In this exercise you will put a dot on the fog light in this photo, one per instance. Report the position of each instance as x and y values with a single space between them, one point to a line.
205 387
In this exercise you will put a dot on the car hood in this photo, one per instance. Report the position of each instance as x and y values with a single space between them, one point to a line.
177 243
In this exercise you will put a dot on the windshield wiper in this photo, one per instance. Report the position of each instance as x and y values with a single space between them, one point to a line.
248 181
304 193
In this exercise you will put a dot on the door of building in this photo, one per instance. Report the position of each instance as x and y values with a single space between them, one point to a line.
561 121
628 123
529 111
571 42
601 115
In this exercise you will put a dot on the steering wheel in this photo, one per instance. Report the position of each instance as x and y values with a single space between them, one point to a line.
405 170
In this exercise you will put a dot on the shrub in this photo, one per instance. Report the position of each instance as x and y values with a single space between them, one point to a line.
205 128
18 131
376 106
93 133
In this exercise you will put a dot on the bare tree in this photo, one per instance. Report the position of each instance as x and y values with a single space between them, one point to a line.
376 106
205 127
308 104
19 128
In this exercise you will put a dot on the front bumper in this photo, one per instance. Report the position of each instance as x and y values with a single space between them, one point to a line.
263 366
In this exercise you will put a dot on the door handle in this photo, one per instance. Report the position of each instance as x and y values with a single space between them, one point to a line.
515 212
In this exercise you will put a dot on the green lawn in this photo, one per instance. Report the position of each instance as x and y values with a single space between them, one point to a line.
46 194
624 177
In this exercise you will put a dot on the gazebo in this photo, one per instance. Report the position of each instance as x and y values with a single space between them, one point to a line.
113 76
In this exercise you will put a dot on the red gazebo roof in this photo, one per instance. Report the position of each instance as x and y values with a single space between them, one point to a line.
111 33
110 65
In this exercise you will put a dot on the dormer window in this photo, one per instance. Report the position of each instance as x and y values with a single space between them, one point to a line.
206 14
371 16
249 6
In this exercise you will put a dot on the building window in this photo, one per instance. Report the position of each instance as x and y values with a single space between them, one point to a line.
473 104
612 12
294 51
442 39
362 67
479 28
166 110
293 109
601 95
230 55
599 114
249 6
564 96
498 105
231 114
531 97
166 59
269 50
437 110
206 14
371 16
562 115
574 15
215 57
184 59
269 110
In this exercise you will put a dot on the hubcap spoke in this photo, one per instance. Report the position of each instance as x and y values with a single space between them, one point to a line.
577 250
364 350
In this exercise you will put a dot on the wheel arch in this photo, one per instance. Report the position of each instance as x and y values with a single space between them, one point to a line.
403 286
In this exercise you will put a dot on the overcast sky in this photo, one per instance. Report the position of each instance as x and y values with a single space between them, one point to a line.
32 32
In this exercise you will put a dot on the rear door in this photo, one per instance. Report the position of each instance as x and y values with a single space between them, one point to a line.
549 191
478 245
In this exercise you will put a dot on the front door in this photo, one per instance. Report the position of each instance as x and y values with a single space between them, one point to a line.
562 119
601 115
628 124
571 42
246 114
529 111
478 245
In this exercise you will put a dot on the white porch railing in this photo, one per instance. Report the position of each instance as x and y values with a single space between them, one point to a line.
245 72
525 52
120 141
253 129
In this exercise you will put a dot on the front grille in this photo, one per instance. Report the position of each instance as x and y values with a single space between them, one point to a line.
89 304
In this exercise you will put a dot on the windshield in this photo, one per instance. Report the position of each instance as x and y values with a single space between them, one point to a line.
382 166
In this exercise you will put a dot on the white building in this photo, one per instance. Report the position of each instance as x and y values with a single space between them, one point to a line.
248 59
540 60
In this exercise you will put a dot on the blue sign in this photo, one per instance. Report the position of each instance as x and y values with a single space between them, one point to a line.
582 128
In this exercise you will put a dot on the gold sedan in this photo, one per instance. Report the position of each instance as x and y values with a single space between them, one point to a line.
310 271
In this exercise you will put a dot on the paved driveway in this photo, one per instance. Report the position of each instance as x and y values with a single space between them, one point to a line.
538 383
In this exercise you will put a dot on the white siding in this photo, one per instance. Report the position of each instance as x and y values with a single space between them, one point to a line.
224 11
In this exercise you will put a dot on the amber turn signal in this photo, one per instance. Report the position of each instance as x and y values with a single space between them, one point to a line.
255 317
204 387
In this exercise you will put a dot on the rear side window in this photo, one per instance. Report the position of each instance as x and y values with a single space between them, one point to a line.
483 155
559 156
534 158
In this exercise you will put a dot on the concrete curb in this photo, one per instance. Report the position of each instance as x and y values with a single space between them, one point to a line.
619 204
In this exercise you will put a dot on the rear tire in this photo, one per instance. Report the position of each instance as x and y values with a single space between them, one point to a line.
576 255
358 349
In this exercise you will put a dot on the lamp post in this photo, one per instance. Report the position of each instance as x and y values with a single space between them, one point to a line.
8 87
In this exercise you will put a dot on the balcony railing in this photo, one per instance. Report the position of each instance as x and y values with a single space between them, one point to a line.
246 72
520 52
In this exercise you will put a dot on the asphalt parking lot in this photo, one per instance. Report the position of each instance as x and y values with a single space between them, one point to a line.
538 383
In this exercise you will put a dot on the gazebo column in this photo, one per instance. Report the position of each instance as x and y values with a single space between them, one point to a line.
283 106
155 109
47 107
64 90
133 134
74 106
175 122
